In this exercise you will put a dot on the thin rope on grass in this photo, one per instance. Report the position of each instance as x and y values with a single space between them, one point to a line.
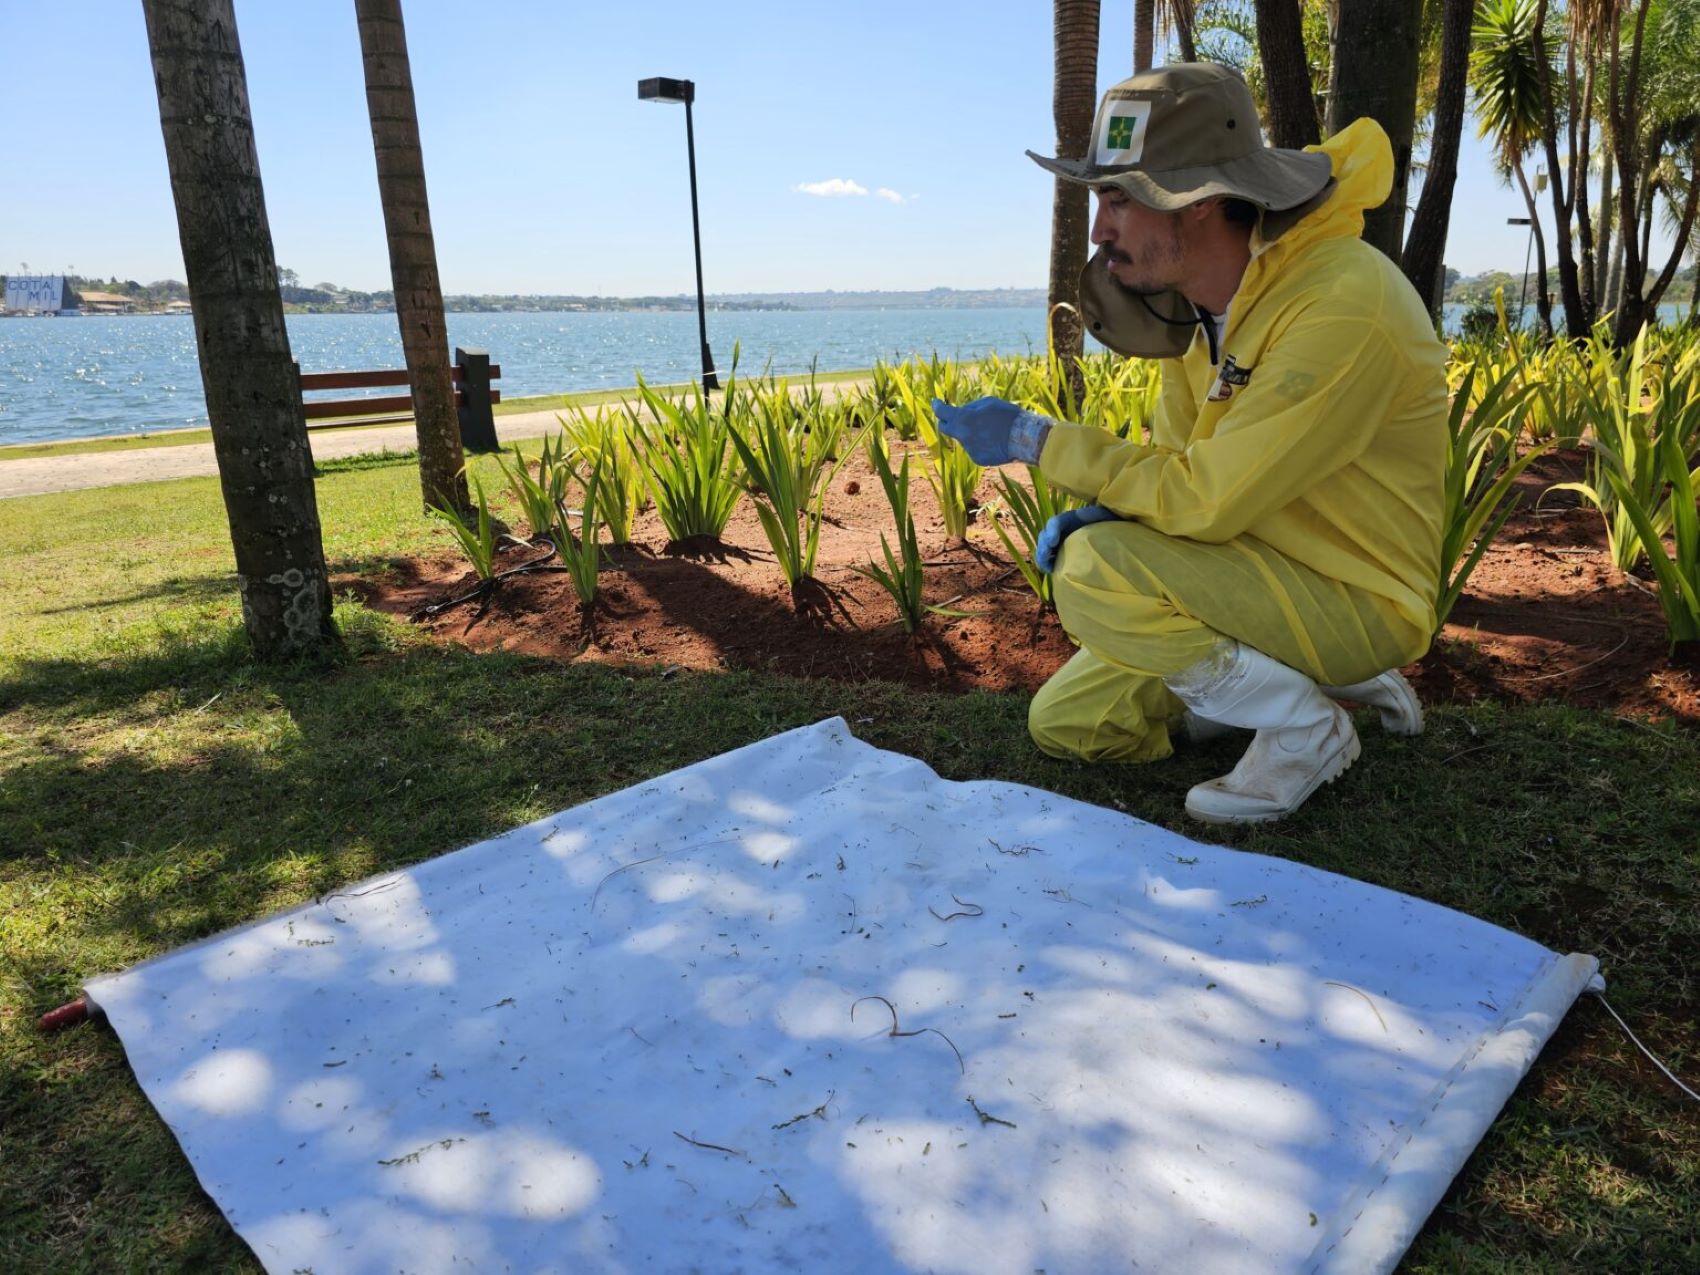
1669 1074
1542 677
1581 619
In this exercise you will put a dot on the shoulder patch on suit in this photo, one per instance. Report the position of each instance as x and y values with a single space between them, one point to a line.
1228 379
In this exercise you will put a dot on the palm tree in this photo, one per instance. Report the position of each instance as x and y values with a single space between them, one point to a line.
1589 28
413 250
1144 33
1179 17
1378 45
1286 74
1505 74
253 398
1680 185
1654 112
1425 246
1074 98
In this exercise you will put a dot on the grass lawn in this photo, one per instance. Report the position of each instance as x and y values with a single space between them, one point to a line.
156 786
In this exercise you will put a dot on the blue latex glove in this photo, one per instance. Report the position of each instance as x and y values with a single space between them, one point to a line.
1060 527
992 430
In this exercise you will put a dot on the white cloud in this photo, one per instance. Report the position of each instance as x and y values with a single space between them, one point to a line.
835 188
887 193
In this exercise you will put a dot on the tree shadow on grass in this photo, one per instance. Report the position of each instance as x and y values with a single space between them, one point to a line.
198 588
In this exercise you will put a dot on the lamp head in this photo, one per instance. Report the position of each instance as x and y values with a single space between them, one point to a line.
661 89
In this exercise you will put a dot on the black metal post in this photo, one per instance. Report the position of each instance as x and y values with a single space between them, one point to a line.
1523 291
709 380
477 421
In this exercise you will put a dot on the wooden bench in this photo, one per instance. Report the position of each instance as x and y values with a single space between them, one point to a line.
471 373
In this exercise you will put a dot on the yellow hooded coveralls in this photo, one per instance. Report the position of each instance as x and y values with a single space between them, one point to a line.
1298 512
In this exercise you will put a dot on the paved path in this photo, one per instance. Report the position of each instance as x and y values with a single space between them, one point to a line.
38 475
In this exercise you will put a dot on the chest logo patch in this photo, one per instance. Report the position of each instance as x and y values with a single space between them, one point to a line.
1230 378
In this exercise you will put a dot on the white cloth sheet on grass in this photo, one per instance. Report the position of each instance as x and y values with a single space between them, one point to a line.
808 1006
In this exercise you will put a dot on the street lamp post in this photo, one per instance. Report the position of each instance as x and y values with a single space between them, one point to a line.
1524 290
660 89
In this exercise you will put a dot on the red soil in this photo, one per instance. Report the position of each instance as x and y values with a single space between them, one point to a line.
1546 617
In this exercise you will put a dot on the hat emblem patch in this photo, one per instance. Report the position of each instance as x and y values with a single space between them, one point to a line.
1123 138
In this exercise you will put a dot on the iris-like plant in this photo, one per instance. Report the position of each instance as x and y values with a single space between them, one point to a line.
685 460
791 453
605 439
537 494
1030 507
951 473
774 459
1635 401
478 541
902 576
581 553
1121 394
1678 572
1481 466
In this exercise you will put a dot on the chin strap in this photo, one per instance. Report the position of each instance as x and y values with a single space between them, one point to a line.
1201 319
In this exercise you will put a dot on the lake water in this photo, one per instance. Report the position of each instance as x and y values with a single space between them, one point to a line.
119 374
115 374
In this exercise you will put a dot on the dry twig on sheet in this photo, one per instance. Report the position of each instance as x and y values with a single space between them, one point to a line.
919 1031
969 909
987 1118
1365 995
710 1146
809 1115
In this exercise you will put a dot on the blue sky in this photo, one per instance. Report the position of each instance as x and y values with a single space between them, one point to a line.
547 174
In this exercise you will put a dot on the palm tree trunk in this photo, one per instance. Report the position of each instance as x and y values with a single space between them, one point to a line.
1543 294
1144 33
1425 247
1603 234
1074 97
1557 185
1633 185
1580 155
1375 74
1614 280
265 467
413 250
1185 20
1684 233
1281 47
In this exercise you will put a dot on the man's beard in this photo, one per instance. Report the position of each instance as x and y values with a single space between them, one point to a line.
1156 268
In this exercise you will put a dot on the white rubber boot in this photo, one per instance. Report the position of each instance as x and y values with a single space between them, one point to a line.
1303 740
1391 696
1388 693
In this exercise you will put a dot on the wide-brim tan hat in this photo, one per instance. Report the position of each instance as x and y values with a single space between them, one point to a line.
1187 132
1169 138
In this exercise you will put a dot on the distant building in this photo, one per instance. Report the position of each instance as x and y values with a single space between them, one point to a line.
35 294
107 303
177 307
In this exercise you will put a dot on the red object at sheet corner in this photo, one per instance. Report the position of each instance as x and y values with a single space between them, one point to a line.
63 1017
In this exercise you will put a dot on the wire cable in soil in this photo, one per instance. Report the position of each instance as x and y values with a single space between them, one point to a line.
1623 630
486 587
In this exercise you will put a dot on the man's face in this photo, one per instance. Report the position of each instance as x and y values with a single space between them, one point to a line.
1143 245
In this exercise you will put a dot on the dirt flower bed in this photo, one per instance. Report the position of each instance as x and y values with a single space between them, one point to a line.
1546 617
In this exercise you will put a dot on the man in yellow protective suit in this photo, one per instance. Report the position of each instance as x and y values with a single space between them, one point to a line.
1276 546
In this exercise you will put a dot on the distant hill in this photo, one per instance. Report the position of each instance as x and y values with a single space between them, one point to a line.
330 298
